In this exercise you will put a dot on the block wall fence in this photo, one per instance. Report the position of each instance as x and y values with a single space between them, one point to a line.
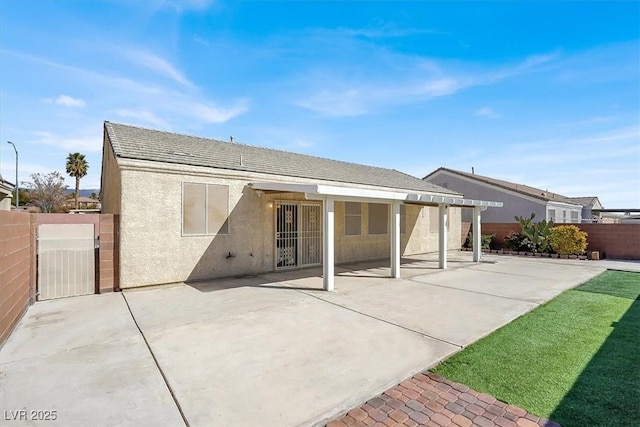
18 259
615 241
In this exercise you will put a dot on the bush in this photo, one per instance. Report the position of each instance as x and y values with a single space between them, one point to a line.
537 233
568 240
517 242
486 240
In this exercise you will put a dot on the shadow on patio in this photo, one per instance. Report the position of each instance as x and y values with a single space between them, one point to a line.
310 279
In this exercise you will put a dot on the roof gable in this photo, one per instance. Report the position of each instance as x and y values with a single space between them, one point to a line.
132 142
526 190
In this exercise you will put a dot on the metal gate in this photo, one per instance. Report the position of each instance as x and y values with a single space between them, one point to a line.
66 260
298 234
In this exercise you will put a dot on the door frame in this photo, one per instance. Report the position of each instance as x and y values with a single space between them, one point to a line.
299 204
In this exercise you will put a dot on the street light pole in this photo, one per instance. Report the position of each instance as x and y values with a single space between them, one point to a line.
17 185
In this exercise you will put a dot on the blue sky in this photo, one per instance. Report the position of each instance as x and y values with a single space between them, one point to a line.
540 93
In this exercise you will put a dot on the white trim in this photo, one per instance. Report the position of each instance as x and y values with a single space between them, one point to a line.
363 195
564 205
328 253
443 231
395 239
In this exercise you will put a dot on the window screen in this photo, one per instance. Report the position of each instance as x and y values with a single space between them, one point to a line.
205 209
574 217
551 214
378 218
352 219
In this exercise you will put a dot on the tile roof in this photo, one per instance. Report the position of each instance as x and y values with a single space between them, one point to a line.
138 143
518 188
585 201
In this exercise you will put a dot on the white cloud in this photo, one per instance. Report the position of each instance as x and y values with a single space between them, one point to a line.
141 115
342 96
155 63
66 101
487 112
383 30
82 143
211 113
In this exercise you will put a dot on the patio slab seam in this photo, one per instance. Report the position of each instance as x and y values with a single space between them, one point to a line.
157 364
473 292
384 320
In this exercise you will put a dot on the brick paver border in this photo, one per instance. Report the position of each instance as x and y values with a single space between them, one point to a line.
428 399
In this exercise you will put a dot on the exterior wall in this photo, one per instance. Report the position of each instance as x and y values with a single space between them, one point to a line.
514 203
420 236
611 240
559 208
5 202
153 250
110 188
17 269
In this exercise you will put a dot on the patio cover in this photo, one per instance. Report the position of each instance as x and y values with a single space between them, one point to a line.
332 193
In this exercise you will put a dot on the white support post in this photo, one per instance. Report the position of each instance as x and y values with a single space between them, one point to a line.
477 235
443 210
328 258
395 240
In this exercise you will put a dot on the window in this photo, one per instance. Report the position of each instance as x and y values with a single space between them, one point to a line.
352 219
564 215
378 218
551 214
574 217
403 219
205 209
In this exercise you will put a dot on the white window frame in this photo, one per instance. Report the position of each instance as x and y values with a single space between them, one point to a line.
206 210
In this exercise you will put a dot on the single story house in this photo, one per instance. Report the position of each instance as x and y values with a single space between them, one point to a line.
192 208
83 203
6 194
591 208
517 199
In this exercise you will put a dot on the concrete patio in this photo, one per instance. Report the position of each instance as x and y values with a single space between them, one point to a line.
269 350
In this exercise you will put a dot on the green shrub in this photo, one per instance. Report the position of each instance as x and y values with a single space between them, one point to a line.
486 240
568 240
537 233
515 241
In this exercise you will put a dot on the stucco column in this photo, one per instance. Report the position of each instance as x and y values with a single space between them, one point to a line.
395 240
328 253
443 210
477 235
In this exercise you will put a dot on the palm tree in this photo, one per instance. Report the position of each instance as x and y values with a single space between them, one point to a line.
77 167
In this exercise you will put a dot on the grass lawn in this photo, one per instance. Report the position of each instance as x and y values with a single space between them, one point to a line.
575 360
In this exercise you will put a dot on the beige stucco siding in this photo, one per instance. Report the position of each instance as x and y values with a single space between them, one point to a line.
110 187
153 249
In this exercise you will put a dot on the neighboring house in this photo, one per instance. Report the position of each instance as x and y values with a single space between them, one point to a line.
192 208
83 203
588 205
6 194
518 199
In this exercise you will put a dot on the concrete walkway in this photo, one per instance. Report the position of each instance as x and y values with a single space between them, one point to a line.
272 350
